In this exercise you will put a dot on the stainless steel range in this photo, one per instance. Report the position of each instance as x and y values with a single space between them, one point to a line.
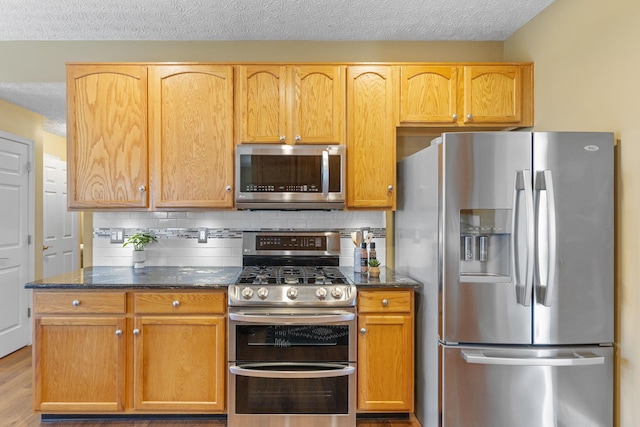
292 334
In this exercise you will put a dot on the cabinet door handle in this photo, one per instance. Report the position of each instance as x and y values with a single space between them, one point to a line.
142 188
228 188
363 330
282 138
470 116
454 117
118 332
176 303
390 188
298 138
136 331
75 302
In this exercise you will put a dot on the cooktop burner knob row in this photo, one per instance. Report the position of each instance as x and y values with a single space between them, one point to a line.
321 293
292 293
247 293
263 293
336 293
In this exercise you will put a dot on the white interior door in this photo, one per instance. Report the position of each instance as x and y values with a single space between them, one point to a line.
15 224
60 227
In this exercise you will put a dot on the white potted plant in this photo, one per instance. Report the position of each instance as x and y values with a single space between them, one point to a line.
139 241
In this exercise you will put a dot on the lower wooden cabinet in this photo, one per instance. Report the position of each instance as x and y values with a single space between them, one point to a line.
179 357
79 363
102 352
385 351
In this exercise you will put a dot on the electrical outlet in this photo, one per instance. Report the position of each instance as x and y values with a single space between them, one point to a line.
202 235
117 235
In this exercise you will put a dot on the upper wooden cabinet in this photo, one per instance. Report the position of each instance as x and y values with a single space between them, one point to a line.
290 104
371 137
107 136
189 118
496 96
428 94
191 136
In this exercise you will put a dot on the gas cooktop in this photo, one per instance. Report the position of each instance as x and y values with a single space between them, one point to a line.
291 275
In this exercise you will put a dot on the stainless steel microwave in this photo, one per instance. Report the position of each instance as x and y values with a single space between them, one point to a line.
290 177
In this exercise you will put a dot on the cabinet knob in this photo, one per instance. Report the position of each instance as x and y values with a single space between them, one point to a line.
385 302
454 117
390 188
469 116
136 331
118 332
142 188
363 330
228 188
176 303
75 302
298 138
282 138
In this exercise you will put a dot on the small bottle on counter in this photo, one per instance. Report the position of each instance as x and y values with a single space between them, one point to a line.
364 260
357 259
372 251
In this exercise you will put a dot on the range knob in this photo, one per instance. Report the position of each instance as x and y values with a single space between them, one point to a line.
336 293
321 293
247 293
263 293
292 293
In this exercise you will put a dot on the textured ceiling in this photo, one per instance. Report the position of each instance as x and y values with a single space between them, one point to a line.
233 20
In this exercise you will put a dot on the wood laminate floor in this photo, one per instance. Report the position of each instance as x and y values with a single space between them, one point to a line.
15 403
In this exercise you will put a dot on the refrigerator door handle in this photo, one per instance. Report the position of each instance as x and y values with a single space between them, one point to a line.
479 357
546 232
523 183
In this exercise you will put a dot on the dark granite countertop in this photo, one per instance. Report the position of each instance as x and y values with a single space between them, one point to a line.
388 279
189 278
147 278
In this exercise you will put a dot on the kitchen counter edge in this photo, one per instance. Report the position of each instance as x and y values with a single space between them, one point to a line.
103 277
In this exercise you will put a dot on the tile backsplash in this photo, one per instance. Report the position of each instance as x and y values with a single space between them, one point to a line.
177 234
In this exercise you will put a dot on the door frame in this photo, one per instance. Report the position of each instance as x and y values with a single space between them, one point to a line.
32 217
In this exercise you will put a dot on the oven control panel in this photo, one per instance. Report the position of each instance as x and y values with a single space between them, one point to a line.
266 242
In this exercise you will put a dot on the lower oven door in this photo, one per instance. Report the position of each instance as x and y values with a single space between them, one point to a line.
292 394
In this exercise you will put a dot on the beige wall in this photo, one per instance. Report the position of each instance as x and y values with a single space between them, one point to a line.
586 78
42 61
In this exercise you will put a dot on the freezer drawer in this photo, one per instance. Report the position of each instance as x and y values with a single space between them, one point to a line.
550 387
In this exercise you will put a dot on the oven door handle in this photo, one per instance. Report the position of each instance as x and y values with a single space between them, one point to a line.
319 319
338 371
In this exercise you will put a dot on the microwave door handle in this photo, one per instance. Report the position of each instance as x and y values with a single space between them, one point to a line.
325 174
337 371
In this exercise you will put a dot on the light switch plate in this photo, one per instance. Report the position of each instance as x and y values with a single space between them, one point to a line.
117 235
202 235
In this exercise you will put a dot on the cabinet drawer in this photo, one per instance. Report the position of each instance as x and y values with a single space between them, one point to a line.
179 302
79 302
384 301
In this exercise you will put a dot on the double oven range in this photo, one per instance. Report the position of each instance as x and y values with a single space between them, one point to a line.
292 334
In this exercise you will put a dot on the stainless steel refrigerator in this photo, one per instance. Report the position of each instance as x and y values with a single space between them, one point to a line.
512 235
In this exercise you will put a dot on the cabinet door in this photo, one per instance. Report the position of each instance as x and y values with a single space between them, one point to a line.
371 137
262 104
179 363
428 94
385 363
492 94
191 136
107 136
318 104
79 363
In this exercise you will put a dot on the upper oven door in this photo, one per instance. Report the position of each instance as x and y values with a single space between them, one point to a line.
292 335
290 177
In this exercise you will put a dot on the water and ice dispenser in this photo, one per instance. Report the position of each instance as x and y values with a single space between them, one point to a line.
485 239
